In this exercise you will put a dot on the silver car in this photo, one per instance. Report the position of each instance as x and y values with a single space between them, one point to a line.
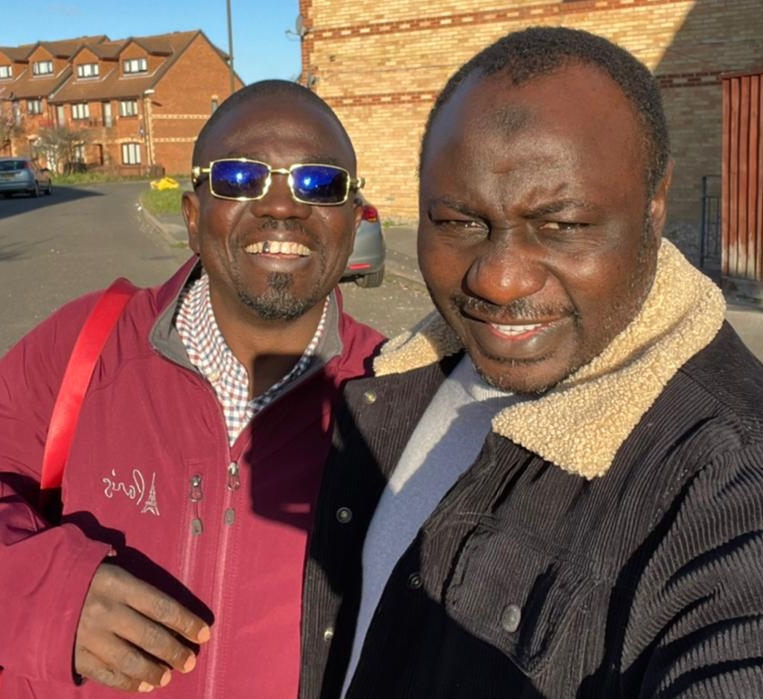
366 264
25 176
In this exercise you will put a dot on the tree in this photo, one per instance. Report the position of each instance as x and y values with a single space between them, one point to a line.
8 128
59 146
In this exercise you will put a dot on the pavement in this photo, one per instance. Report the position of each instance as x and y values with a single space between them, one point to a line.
747 320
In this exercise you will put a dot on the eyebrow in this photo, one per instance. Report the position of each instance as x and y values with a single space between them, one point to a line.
547 209
456 205
559 205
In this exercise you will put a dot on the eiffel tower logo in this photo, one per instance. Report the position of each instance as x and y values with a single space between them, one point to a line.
151 505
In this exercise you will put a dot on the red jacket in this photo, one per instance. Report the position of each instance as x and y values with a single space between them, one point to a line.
149 477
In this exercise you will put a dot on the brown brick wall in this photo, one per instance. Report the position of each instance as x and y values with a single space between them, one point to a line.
380 68
183 102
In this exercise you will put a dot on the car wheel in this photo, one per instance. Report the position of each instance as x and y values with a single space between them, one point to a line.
36 190
371 281
49 190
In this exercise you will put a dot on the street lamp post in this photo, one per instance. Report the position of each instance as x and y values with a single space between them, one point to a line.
148 125
230 47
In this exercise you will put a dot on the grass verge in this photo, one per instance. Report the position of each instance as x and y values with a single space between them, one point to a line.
164 201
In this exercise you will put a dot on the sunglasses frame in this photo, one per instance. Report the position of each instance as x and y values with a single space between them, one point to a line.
197 172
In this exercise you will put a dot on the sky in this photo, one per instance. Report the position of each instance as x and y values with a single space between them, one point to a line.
261 47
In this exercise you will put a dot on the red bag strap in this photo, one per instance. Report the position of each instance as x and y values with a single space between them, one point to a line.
79 370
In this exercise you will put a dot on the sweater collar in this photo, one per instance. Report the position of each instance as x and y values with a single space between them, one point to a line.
581 423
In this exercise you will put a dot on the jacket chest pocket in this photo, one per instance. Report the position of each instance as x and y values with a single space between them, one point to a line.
519 599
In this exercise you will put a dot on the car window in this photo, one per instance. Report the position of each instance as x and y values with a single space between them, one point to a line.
11 165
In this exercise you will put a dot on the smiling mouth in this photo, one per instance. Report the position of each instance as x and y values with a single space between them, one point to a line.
278 247
515 330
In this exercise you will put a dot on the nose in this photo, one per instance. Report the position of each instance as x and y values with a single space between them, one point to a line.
278 201
507 269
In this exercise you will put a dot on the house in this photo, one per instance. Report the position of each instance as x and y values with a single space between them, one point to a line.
132 106
381 66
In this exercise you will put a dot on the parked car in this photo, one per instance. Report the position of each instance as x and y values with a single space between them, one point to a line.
23 175
366 264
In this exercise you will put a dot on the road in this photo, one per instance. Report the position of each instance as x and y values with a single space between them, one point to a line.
55 248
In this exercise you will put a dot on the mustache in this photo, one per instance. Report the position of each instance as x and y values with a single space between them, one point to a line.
519 308
270 223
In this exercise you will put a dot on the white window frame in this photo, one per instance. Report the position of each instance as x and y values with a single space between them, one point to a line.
42 68
79 153
131 154
80 110
128 108
34 106
6 72
88 70
135 65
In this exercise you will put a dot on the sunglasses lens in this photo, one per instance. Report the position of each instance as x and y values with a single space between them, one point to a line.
320 184
233 179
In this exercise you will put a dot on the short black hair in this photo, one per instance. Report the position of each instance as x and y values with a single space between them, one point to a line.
264 88
538 51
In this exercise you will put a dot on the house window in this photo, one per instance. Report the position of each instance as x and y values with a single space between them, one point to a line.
42 67
81 111
131 153
135 65
79 153
34 106
88 70
108 122
6 72
128 108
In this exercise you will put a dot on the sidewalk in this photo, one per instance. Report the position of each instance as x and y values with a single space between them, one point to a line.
401 262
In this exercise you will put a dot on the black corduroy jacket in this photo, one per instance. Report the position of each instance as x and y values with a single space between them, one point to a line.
529 581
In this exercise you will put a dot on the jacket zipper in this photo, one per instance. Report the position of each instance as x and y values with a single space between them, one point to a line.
232 484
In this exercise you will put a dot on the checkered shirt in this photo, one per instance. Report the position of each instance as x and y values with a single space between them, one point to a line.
210 354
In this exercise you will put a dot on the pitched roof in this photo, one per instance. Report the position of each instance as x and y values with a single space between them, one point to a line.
111 84
18 53
66 48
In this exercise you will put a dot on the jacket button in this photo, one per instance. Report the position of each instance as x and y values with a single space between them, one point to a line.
370 397
328 634
414 581
511 617
344 515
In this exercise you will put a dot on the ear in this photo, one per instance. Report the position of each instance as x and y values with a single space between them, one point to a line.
190 206
357 210
658 206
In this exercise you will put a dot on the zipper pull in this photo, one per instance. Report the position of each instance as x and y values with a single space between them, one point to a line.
196 496
234 482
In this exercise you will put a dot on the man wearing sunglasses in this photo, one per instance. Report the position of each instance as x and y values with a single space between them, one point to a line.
196 464
561 472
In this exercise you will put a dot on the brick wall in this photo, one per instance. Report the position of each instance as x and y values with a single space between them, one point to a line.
380 68
182 103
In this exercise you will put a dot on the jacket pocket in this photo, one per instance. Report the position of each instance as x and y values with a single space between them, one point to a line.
520 598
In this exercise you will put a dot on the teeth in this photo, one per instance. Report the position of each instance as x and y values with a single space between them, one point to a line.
278 247
515 329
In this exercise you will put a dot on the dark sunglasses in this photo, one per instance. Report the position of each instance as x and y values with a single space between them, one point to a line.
242 179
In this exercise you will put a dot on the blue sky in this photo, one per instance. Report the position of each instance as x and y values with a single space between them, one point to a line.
261 48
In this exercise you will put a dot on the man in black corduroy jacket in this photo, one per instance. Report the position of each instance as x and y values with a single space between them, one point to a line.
553 487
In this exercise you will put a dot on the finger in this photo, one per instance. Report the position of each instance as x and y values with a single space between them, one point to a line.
101 670
156 605
157 640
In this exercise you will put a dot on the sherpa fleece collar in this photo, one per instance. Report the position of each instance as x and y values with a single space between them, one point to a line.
580 424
